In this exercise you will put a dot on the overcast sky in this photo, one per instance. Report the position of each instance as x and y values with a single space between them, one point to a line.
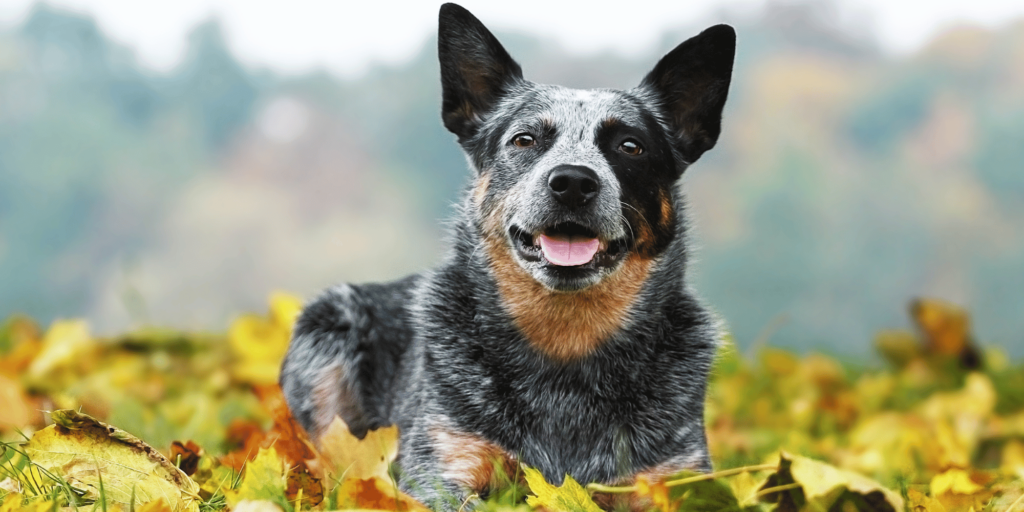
344 36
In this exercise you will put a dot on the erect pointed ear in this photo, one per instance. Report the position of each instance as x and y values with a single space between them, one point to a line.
692 82
475 70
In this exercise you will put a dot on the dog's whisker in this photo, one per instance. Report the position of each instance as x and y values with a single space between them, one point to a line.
639 214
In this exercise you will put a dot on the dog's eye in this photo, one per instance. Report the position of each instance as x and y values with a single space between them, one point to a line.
524 140
631 147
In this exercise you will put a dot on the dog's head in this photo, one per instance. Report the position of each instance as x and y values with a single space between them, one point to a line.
573 182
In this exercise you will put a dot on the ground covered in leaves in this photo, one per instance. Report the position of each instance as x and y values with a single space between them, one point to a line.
164 420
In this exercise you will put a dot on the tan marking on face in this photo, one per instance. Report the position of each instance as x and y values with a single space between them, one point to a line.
666 209
471 460
564 326
644 236
480 189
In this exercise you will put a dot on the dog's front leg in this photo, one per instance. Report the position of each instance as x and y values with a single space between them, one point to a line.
450 469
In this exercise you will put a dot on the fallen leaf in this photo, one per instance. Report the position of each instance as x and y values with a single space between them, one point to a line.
186 456
375 494
82 450
1010 499
156 506
821 486
263 479
287 436
744 488
345 456
702 495
569 497
16 502
958 491
656 491
247 438
921 503
301 486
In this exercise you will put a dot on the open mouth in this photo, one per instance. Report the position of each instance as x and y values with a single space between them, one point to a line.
566 245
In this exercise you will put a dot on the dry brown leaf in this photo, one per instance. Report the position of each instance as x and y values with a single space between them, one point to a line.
303 486
247 438
375 494
186 456
288 437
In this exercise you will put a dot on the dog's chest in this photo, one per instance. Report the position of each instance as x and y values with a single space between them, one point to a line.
598 422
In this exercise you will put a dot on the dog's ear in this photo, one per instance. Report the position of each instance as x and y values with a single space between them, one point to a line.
475 70
692 82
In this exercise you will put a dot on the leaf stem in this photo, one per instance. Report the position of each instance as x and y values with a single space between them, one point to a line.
780 488
683 481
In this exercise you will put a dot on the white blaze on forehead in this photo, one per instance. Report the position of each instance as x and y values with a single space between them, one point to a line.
577 114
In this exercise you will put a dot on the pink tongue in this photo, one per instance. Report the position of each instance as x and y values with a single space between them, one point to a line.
568 252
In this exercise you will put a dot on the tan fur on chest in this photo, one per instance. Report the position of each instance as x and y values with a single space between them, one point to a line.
567 326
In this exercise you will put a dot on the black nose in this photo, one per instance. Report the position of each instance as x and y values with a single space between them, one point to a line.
573 185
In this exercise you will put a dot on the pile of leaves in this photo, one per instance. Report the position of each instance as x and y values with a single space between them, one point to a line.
165 420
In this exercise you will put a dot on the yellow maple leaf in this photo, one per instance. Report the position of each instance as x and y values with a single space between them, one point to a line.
264 479
89 454
744 487
569 497
345 456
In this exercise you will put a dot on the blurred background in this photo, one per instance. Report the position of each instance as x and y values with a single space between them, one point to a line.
174 164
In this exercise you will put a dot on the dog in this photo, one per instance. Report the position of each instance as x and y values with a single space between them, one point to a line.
559 331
